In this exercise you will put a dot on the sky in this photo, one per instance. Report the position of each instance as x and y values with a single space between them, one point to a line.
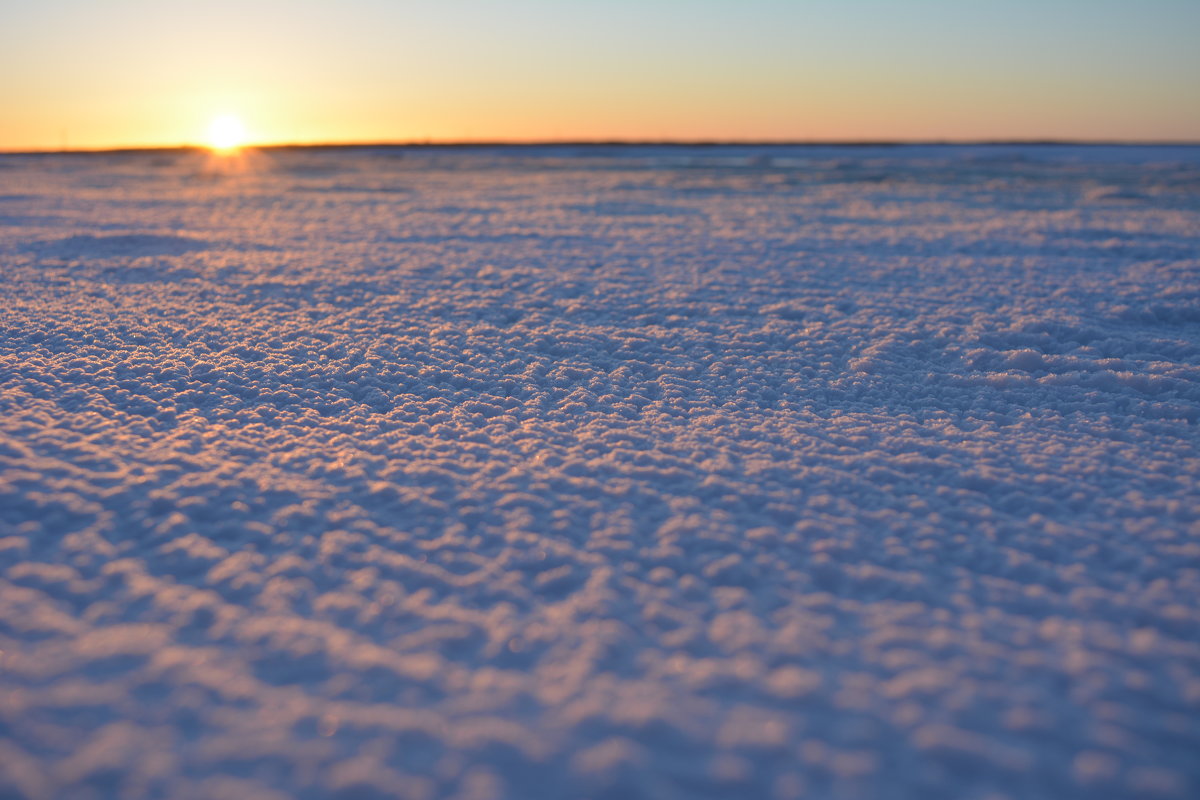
113 73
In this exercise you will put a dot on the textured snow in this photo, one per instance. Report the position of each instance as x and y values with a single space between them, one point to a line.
601 473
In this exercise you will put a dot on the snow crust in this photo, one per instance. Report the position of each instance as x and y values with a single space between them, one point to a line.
601 473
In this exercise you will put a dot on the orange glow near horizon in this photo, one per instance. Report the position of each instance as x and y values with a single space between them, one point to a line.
138 73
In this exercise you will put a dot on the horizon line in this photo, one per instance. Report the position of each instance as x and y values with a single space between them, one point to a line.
532 143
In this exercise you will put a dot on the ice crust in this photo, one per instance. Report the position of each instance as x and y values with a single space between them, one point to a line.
601 473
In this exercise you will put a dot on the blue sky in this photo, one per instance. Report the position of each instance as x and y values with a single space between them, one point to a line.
140 72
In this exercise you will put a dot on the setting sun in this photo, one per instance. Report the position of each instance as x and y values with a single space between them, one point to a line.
226 133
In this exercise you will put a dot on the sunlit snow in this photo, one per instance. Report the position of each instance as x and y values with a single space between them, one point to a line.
601 473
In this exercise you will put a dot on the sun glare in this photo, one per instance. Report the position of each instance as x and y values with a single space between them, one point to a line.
226 134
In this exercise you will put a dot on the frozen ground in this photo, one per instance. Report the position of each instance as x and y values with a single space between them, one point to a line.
642 473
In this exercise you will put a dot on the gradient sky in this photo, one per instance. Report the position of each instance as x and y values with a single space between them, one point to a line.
99 73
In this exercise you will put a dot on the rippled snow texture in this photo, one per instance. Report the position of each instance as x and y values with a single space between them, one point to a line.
601 473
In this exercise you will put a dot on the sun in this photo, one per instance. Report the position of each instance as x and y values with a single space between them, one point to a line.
226 133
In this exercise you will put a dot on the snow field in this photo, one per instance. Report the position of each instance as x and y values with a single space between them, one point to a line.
601 473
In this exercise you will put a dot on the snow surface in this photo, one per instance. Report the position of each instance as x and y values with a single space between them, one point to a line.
601 473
